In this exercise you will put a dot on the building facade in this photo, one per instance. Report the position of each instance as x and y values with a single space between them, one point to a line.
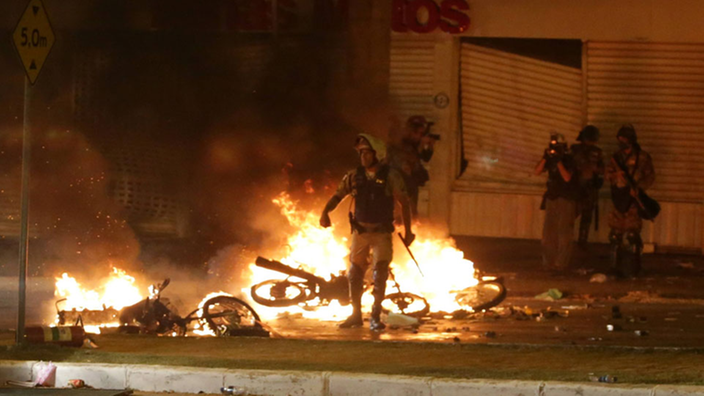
501 76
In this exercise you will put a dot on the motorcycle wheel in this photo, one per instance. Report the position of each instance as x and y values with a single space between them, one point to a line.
484 295
405 303
279 293
222 313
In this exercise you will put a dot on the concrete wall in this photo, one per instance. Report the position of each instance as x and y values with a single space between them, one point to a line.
620 20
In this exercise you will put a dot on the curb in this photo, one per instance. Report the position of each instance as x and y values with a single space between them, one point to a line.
301 383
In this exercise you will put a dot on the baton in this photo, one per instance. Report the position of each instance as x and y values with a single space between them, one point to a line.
410 253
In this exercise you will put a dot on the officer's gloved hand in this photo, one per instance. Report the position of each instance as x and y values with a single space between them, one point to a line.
409 238
325 220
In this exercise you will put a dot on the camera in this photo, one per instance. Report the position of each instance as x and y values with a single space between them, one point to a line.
431 135
557 147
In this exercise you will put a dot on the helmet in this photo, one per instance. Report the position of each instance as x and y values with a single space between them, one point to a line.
629 132
368 142
417 121
590 133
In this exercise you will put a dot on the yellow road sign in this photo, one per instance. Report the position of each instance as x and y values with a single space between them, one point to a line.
33 38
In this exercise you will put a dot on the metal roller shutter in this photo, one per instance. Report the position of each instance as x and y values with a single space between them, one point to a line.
411 76
510 104
659 88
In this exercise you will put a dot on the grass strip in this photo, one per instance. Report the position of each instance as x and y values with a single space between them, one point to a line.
553 363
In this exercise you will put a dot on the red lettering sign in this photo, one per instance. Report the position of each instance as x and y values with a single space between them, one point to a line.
448 16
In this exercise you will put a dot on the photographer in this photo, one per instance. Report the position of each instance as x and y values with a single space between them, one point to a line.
416 145
559 203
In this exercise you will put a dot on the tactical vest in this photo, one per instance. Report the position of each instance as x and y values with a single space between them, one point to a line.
372 204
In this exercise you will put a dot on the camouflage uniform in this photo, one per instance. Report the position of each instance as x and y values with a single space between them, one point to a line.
624 219
589 160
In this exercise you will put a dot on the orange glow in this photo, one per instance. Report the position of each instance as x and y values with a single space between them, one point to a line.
321 252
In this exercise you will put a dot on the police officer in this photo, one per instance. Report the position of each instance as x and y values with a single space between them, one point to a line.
630 162
589 160
375 187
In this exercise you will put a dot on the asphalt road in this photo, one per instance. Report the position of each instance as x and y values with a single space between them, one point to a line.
530 321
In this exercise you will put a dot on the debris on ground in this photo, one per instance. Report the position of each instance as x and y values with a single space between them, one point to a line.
603 378
641 333
550 295
686 265
598 278
401 320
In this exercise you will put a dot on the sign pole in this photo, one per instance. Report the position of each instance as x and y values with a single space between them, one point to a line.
33 38
24 222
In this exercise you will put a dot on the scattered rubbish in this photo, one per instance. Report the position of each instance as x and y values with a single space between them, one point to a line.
640 296
46 374
598 278
686 265
613 327
76 383
616 312
231 390
490 334
595 339
579 306
641 333
670 319
604 378
550 295
89 343
560 329
396 319
584 271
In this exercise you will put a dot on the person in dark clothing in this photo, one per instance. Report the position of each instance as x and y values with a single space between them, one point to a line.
559 202
408 155
625 220
589 160
375 188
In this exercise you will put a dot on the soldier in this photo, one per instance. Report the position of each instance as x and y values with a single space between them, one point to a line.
375 188
625 219
406 155
589 160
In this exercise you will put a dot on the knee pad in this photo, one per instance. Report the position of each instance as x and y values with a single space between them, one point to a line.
356 273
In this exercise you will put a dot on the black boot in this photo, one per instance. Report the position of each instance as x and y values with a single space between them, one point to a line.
356 281
635 249
583 233
616 241
381 275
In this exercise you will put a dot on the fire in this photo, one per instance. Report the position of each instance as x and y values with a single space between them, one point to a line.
116 292
321 252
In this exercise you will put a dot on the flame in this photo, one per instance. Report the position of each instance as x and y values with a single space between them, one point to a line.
201 327
115 292
319 251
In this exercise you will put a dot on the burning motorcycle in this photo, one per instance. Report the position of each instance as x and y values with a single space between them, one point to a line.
302 287
223 315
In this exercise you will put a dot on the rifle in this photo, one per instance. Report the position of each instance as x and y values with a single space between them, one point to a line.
648 208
